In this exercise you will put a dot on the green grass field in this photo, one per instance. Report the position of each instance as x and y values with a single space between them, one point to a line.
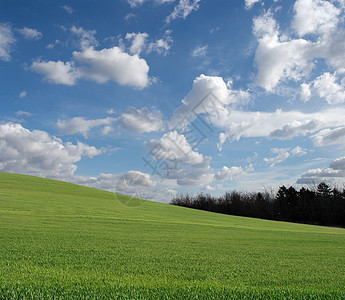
59 240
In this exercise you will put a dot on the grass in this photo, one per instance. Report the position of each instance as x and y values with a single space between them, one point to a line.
59 240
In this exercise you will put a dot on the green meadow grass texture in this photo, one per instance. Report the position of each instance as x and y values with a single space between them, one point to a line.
63 241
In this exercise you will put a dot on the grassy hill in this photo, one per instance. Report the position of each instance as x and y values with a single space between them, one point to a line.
62 240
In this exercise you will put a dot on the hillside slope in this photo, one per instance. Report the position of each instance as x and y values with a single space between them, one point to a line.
62 240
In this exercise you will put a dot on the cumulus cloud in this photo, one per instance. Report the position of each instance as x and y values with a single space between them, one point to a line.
194 177
279 124
57 72
295 128
232 172
298 151
142 120
314 16
108 64
6 41
113 64
335 171
138 41
281 57
328 88
281 155
209 96
37 153
250 3
183 9
278 59
134 3
30 33
305 92
86 37
212 188
133 183
162 45
122 182
330 137
179 161
52 45
83 126
174 146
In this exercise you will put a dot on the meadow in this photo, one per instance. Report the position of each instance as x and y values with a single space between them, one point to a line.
59 240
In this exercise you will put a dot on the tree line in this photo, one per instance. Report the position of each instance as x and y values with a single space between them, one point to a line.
321 206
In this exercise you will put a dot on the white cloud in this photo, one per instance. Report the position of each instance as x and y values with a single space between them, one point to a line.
142 120
282 154
278 59
109 64
174 146
133 183
334 172
209 96
305 92
37 153
250 3
135 3
23 113
298 151
107 130
129 16
232 173
330 137
295 128
180 161
328 88
23 94
6 41
163 1
110 111
135 178
30 33
57 72
122 182
163 45
200 51
183 9
138 42
193 177
86 37
113 64
52 45
314 16
338 164
280 124
83 126
68 9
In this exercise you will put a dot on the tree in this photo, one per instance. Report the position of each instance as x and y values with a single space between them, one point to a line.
324 190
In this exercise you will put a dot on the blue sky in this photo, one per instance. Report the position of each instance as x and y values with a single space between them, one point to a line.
156 97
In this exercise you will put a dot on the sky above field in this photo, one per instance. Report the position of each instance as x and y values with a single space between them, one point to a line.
156 97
